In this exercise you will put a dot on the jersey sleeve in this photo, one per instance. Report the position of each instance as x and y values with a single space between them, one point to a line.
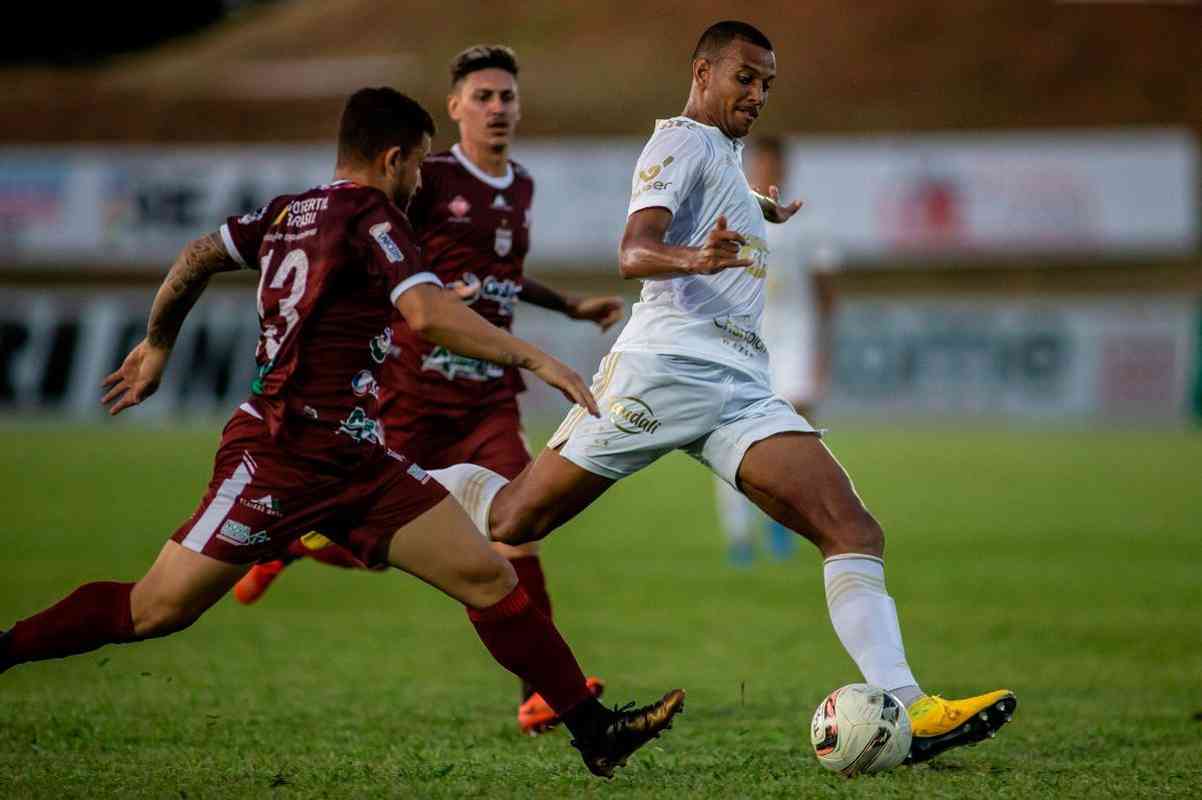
243 235
386 239
667 170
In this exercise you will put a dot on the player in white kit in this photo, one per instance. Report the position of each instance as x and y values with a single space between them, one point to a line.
797 302
690 371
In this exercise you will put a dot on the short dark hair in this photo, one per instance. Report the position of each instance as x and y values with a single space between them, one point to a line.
720 34
377 119
483 56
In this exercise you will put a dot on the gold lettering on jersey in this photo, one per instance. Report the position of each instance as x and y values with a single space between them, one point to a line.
649 174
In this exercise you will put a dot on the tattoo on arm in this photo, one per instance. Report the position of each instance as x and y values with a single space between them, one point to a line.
189 275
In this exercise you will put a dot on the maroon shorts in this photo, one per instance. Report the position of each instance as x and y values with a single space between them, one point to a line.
263 496
491 437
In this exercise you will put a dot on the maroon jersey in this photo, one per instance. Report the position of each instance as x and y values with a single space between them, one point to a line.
333 261
475 228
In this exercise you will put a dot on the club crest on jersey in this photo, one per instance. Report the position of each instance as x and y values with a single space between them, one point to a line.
361 427
381 346
459 207
364 384
379 232
503 243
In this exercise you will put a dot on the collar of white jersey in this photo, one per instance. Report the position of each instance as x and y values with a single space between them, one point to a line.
715 133
503 182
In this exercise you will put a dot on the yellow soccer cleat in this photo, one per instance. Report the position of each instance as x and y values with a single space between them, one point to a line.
940 724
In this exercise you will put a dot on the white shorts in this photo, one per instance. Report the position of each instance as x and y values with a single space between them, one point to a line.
652 404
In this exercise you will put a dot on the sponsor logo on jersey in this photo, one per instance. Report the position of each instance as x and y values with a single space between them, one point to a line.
756 249
649 174
459 207
236 533
256 385
418 474
364 384
303 213
632 415
653 186
503 242
392 252
499 203
264 505
253 216
361 427
381 346
453 366
470 286
502 292
745 340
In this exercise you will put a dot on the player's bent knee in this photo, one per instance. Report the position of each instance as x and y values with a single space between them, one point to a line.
858 532
489 583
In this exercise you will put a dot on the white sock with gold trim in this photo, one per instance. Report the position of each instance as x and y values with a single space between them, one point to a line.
865 620
474 487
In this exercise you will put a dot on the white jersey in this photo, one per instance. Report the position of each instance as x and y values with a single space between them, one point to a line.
696 172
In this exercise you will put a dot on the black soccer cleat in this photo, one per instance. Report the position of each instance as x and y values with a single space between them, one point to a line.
940 724
626 731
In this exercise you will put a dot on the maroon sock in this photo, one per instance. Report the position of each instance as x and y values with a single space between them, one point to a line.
525 642
93 615
531 578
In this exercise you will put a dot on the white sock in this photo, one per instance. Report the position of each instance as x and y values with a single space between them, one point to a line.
865 620
738 514
474 487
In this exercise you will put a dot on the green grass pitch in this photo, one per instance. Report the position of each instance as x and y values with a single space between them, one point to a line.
1064 565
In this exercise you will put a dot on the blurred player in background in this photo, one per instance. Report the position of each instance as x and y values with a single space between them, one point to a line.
472 215
796 327
307 448
690 372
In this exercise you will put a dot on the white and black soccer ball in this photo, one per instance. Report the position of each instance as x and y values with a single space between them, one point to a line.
859 729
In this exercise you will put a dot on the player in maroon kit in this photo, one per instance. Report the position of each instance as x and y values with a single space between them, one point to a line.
307 449
441 407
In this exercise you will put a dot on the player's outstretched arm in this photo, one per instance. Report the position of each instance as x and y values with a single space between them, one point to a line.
438 315
772 208
643 253
140 373
604 311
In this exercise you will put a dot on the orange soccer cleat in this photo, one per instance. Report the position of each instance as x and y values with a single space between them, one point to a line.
255 583
535 716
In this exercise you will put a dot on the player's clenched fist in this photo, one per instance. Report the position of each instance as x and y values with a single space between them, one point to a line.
137 378
720 251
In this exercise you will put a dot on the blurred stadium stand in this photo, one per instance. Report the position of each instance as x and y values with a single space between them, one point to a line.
1070 291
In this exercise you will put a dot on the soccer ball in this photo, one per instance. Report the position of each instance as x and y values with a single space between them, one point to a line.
860 728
